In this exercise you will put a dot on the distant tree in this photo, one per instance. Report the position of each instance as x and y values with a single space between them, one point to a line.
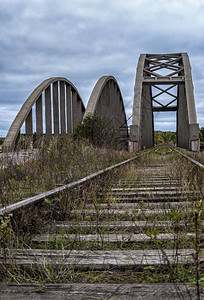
201 133
165 137
1 140
201 136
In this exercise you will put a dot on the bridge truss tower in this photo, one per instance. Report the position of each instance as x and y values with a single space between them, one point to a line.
163 84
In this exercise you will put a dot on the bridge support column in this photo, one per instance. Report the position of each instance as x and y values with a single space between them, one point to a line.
62 107
194 137
29 130
147 129
74 109
18 141
182 119
48 116
39 122
56 108
134 138
141 133
79 109
69 108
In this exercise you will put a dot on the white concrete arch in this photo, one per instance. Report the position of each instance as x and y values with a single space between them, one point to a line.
62 114
106 100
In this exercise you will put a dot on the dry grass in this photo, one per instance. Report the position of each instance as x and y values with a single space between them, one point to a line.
64 161
85 205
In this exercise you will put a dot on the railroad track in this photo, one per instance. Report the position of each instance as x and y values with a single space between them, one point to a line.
144 227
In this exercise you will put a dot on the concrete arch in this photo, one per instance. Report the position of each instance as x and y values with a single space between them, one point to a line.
170 76
106 100
64 109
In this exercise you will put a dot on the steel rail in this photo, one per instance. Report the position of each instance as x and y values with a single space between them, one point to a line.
38 198
191 159
157 148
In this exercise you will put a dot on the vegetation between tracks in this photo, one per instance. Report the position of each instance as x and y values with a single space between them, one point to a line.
44 218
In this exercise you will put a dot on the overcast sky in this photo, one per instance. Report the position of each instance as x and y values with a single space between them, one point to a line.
83 40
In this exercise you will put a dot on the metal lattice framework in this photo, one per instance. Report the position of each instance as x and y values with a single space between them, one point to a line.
164 83
58 106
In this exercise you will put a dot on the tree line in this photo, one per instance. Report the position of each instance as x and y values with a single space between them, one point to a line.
201 134
164 137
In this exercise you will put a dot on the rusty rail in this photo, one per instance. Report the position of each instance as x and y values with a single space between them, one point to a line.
38 198
191 159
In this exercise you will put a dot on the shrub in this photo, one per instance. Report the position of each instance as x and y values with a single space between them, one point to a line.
97 129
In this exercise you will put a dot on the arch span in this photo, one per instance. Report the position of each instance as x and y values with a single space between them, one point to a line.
58 106
106 100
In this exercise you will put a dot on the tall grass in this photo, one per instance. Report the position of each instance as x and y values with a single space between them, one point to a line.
64 161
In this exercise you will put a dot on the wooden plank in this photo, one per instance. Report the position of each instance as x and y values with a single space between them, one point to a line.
95 260
149 173
119 225
120 213
146 184
150 183
150 180
149 205
159 199
159 188
153 193
73 291
112 237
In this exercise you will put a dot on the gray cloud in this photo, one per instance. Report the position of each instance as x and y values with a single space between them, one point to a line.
83 40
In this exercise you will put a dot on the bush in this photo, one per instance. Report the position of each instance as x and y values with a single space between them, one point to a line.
97 129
